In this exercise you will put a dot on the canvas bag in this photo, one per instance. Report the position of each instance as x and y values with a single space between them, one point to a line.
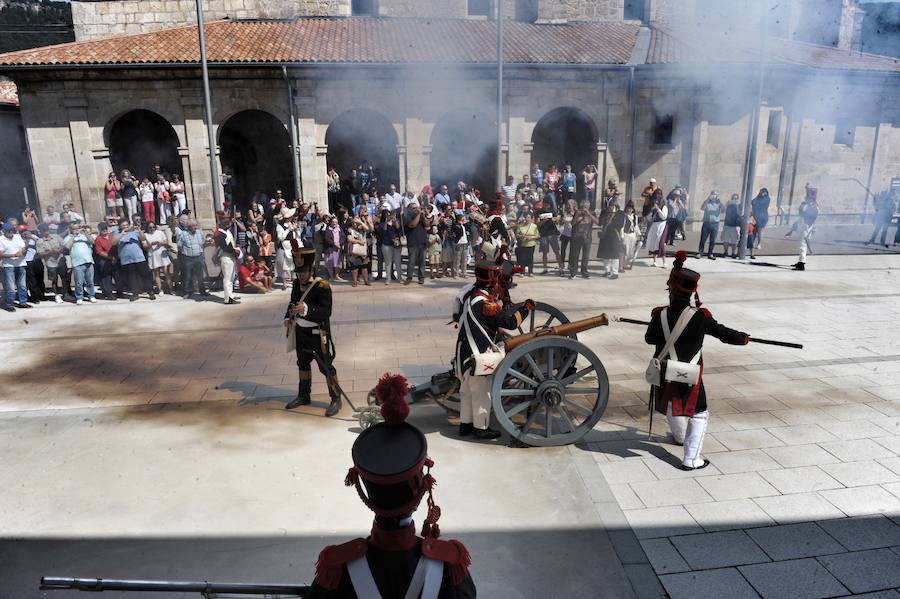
675 371
486 363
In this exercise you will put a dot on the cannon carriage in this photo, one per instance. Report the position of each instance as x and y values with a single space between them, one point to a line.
550 389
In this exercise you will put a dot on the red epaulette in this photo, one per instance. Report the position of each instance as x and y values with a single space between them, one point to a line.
657 310
454 555
706 312
330 565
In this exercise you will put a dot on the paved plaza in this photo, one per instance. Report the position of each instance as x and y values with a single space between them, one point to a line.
149 440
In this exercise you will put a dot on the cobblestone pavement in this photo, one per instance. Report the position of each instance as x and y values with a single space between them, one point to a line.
124 421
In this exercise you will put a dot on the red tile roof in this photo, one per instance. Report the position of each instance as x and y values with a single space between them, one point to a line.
351 40
667 47
9 94
427 41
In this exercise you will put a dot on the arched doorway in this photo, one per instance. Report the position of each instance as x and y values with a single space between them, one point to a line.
464 148
565 136
256 147
140 139
363 137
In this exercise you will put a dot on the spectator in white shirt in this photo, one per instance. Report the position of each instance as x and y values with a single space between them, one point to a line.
12 259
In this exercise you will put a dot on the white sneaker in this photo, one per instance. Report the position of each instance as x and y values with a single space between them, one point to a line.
93 300
58 299
78 302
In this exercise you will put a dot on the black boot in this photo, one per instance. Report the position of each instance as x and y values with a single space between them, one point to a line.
302 398
800 266
465 429
487 433
334 407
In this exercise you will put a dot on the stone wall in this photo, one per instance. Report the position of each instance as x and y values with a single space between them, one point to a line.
16 171
93 19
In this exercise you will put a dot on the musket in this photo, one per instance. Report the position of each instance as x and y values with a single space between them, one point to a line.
207 589
753 339
561 330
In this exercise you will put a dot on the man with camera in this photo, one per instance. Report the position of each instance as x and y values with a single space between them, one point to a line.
416 224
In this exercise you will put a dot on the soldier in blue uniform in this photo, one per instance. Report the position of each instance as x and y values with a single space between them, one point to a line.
392 474
307 319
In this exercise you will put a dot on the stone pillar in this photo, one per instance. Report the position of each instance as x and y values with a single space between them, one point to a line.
602 168
311 148
90 193
197 178
519 147
185 154
417 159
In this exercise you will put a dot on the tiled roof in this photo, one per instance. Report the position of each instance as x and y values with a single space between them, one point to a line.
9 95
351 40
667 47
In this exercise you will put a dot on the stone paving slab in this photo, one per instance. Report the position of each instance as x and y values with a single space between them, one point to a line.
709 584
863 571
794 541
863 532
718 550
795 579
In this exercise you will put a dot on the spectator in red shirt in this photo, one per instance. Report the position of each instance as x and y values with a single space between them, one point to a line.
255 276
104 244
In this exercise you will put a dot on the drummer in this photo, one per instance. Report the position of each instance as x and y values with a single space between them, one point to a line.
483 314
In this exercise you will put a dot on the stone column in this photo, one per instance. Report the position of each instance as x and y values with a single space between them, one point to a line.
311 148
90 193
519 147
417 157
197 178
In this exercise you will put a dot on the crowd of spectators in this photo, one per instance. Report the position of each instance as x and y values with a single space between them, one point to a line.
370 232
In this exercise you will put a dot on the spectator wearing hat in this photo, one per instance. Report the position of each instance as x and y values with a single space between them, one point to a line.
416 223
285 231
12 258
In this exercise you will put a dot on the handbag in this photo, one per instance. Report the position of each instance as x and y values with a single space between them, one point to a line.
486 362
359 250
661 369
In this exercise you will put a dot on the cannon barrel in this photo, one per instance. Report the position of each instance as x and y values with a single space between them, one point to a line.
561 330
49 583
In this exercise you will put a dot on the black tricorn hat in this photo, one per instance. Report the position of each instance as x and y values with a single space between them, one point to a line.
390 459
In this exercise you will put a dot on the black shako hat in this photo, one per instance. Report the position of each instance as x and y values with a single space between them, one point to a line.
684 281
390 460
487 272
303 257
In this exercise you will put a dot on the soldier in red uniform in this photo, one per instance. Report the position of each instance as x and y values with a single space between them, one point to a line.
685 404
392 474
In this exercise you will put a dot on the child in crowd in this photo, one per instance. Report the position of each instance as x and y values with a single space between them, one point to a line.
434 252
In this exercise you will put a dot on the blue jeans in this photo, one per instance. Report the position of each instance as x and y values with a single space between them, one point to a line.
14 278
84 277
708 231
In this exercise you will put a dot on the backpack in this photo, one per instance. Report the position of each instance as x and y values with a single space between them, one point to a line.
459 302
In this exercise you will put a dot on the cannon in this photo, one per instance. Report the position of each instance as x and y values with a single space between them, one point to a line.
208 590
549 390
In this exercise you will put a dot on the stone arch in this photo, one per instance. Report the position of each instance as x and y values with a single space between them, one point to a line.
139 139
464 148
256 146
361 135
565 135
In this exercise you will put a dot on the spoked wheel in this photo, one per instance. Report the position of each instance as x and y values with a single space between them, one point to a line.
543 315
550 391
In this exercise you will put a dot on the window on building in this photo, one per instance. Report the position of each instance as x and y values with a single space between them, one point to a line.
527 10
479 8
843 133
662 129
364 8
773 132
634 9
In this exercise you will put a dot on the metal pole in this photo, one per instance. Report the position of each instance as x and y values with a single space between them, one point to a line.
295 159
213 169
868 185
750 173
500 179
782 174
629 189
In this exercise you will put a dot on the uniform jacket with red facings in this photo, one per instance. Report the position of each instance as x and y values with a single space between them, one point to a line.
687 400
490 313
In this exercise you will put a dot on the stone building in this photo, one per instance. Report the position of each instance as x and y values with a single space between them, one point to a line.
621 84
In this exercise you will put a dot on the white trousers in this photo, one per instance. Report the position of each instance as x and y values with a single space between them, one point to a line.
689 431
179 203
165 211
631 247
131 207
612 265
229 267
475 400
805 232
